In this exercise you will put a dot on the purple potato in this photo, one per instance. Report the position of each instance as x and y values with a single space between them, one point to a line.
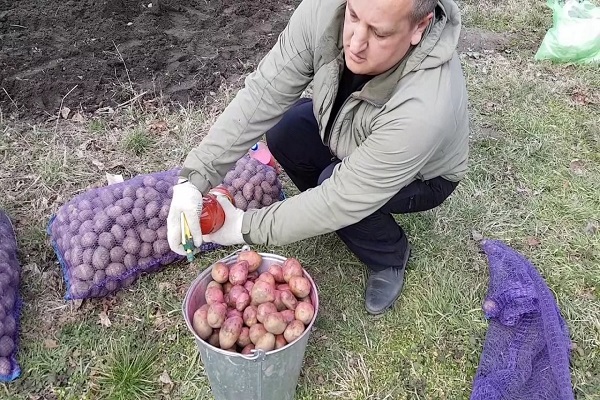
145 250
267 200
154 223
258 193
152 209
162 186
125 203
140 203
86 226
8 298
131 245
266 188
140 192
129 192
248 191
246 175
253 205
149 181
271 177
101 257
117 254
79 288
74 226
164 212
118 232
87 256
115 270
240 201
114 211
161 232
125 220
161 247
107 197
99 277
152 195
148 235
117 191
85 215
238 183
102 223
7 345
84 204
139 214
83 272
130 261
112 285
106 239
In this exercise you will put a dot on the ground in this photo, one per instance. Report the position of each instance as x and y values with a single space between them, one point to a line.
533 183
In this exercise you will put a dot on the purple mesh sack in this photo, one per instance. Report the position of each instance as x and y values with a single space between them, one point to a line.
10 301
527 345
107 237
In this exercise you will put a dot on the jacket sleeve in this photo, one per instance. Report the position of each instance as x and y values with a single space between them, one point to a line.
277 83
389 159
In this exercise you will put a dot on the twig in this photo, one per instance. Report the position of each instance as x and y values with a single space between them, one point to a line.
61 106
18 26
12 101
125 65
131 100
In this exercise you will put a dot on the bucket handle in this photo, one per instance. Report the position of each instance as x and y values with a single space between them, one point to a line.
255 355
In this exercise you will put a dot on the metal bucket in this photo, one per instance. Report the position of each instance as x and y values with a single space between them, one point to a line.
271 375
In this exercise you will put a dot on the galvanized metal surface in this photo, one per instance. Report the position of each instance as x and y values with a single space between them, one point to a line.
262 375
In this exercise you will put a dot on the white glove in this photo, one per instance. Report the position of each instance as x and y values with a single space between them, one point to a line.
231 231
187 199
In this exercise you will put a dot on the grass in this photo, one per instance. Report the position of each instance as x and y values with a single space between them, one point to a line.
533 183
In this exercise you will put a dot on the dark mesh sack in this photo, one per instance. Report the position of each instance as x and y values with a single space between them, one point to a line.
10 301
107 237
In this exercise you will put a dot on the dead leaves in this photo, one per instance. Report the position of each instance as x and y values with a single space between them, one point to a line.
532 241
104 320
582 98
166 381
50 344
158 126
577 167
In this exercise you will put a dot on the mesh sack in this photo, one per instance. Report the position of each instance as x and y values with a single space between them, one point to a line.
10 301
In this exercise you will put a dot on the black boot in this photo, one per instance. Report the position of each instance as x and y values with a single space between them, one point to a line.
384 287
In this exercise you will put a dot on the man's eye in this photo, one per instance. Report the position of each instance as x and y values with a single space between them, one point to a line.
378 35
353 17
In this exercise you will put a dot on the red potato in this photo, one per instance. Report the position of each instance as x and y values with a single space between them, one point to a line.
230 332
293 331
277 271
216 314
220 272
232 312
248 349
263 310
304 312
250 315
253 276
234 293
283 286
291 267
214 295
288 315
242 302
275 323
248 285
306 299
200 322
278 303
280 342
256 331
299 286
252 257
265 342
244 338
288 299
238 274
227 287
214 284
214 338
267 277
262 292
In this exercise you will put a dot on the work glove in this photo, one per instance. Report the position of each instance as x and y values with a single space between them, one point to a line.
187 199
231 231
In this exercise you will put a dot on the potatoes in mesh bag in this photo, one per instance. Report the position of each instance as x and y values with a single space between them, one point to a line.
10 301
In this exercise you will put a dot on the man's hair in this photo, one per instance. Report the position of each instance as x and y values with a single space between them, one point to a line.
421 8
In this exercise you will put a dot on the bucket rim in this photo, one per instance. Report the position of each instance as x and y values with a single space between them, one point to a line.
256 354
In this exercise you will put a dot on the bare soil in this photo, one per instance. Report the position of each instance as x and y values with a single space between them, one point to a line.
104 52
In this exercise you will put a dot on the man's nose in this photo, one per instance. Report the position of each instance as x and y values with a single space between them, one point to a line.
359 41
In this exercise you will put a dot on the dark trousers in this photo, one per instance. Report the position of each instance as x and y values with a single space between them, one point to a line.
377 240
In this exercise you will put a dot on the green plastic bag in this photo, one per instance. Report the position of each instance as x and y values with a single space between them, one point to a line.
575 33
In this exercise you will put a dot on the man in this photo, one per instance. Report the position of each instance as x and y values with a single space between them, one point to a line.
386 132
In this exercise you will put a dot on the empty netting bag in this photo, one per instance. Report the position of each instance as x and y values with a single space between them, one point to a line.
107 237
10 301
574 35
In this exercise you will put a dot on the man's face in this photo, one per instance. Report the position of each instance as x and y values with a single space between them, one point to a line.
378 33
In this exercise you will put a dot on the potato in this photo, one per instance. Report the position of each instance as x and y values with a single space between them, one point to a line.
278 303
161 232
162 186
145 250
87 256
125 220
275 323
118 233
248 191
253 205
248 349
240 201
99 277
139 214
238 183
214 338
102 223
101 258
280 342
271 177
140 192
216 314
243 301
114 211
76 255
125 203
252 276
256 331
267 277
214 284
265 342
304 312
262 292
232 312
79 288
107 197
258 193
115 270
291 267
230 332
277 271
130 261
252 257
106 239
89 240
148 235
299 286
152 209
154 224
283 287
152 195
200 322
288 315
293 331
84 204
5 368
244 338
238 273
85 215
131 245
263 310
250 315
267 200
227 287
220 272
214 295
85 227
7 345
248 286
288 299
266 188
306 299
83 272
246 175
149 181
161 247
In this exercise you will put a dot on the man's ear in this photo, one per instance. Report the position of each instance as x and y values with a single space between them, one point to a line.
420 28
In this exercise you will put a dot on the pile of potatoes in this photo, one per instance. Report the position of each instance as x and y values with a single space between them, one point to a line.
252 184
10 271
108 236
248 310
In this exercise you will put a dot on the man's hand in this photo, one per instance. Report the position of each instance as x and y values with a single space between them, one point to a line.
187 199
231 231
